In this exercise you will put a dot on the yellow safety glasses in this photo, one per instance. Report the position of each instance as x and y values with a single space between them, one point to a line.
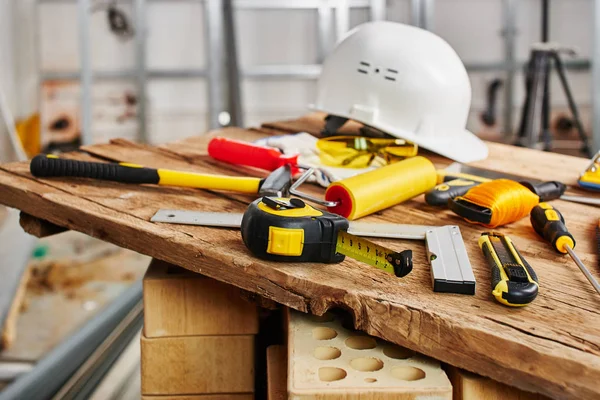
362 152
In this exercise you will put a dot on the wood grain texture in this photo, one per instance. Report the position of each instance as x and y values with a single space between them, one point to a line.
38 227
197 365
277 372
178 302
551 346
469 386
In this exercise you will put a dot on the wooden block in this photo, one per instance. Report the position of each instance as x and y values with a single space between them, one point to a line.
248 396
469 386
38 227
329 362
197 365
277 372
178 302
9 332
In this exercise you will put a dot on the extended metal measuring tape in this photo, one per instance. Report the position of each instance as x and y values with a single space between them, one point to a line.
451 270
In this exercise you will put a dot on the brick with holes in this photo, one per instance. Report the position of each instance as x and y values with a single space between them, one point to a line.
328 360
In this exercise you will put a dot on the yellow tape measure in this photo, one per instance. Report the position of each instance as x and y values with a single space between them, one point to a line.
282 229
368 252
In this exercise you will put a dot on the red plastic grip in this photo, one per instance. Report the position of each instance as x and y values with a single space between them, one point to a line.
342 197
252 155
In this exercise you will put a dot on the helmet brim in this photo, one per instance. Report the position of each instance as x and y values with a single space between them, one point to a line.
462 146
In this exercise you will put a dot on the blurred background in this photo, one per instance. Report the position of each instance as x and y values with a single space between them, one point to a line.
158 70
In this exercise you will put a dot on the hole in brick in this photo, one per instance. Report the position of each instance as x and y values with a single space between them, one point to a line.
330 374
361 342
327 353
323 333
366 364
408 373
370 380
327 317
397 352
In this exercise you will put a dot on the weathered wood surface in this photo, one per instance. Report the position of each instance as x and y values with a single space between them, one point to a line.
552 346
38 227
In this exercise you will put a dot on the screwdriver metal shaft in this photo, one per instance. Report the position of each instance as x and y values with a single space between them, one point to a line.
583 268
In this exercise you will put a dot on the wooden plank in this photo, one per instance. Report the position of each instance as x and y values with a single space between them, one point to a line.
551 346
469 386
277 372
38 227
197 365
178 302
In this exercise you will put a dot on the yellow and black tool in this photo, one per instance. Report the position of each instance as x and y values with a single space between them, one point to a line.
45 166
549 223
590 178
281 229
514 282
447 190
502 201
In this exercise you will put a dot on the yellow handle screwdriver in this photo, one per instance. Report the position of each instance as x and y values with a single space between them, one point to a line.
549 223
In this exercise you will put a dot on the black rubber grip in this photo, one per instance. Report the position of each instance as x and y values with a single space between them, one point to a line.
44 167
517 292
496 277
470 211
546 191
549 230
439 197
530 270
402 263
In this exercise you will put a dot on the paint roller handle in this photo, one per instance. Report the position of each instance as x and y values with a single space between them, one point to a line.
249 154
46 166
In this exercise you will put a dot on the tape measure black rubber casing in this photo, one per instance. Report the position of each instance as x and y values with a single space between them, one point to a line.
320 234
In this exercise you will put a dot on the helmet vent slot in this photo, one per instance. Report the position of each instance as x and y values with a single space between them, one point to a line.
391 76
361 66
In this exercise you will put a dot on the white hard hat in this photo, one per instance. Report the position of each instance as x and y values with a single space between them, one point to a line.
404 81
